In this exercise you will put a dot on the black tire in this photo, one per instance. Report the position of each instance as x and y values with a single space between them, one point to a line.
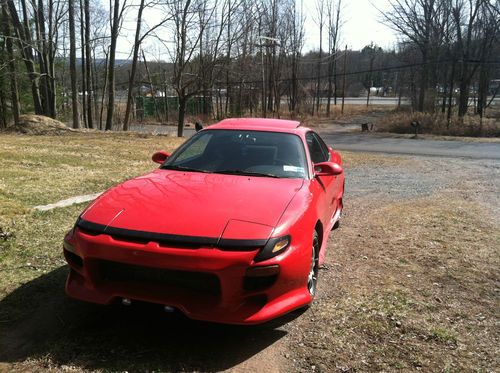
312 278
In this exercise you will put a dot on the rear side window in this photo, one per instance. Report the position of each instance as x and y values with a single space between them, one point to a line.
317 148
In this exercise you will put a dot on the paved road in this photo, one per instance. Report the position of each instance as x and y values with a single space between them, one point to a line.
377 100
374 100
442 148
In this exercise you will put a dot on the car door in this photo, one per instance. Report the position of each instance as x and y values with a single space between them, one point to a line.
337 181
323 186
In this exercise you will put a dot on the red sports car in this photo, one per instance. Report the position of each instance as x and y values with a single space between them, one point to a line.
231 228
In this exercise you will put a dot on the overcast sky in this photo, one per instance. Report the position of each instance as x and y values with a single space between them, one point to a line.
361 26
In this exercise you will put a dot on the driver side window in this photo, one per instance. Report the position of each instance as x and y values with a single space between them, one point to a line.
315 149
195 150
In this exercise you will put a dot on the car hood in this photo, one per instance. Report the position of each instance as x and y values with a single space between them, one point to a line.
195 204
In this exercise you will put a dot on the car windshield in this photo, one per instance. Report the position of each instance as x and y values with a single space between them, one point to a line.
252 153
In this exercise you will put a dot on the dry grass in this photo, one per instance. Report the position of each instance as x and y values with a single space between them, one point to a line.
436 137
45 169
414 288
437 124
38 125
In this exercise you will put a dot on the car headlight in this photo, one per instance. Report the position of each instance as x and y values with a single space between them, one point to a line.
273 247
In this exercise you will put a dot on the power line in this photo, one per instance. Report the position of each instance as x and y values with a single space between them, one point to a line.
374 70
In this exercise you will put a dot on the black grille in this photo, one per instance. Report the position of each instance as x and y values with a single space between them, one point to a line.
205 283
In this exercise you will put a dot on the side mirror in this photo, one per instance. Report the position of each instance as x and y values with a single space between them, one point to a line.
160 157
327 169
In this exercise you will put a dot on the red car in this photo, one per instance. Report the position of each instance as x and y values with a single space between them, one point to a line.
231 228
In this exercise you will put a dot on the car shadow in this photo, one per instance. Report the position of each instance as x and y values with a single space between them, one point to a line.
38 321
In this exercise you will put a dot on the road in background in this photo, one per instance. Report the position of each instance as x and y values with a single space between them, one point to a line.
366 142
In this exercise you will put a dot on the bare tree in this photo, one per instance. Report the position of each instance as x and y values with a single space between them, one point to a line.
88 64
24 41
137 44
334 24
188 30
133 68
297 43
14 93
491 27
72 64
477 24
423 23
320 21
116 21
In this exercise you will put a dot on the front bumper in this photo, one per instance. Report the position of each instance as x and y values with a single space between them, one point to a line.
204 283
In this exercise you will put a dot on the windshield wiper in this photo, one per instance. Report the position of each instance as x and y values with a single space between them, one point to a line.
182 168
245 173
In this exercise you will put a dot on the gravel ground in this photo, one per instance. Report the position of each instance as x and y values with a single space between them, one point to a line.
414 262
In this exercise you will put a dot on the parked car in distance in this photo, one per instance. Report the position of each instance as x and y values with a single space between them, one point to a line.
231 228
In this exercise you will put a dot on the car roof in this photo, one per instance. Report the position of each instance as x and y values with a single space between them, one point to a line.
260 124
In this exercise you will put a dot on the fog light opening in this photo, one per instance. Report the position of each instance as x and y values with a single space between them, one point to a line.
263 271
260 278
126 301
169 309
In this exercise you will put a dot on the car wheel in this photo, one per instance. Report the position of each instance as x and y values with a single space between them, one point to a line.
312 278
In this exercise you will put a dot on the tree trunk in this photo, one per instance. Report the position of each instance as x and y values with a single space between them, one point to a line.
43 58
14 93
51 52
182 114
72 64
3 106
111 66
318 78
151 88
444 97
463 98
88 64
482 90
83 67
104 89
25 45
228 86
450 93
330 83
133 70
424 76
